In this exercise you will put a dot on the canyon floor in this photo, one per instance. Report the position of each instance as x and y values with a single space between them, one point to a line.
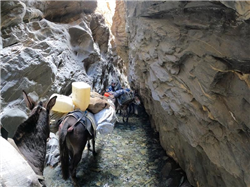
130 156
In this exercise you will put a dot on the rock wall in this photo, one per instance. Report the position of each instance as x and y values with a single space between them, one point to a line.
47 45
190 62
119 30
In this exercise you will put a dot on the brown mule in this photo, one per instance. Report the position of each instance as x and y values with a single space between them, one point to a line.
31 136
125 109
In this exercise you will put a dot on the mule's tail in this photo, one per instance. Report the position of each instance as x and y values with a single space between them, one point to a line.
64 152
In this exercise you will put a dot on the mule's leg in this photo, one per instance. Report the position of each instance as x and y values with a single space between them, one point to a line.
124 116
128 112
73 166
93 145
131 108
88 145
123 119
119 111
125 113
127 117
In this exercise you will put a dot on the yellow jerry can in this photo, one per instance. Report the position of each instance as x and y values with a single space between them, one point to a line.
81 95
64 104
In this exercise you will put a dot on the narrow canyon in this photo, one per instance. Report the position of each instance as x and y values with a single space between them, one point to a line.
188 60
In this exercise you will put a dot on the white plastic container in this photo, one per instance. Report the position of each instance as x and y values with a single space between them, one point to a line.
81 95
64 104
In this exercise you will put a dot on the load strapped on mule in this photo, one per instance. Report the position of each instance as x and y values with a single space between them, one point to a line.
79 118
82 99
123 95
123 99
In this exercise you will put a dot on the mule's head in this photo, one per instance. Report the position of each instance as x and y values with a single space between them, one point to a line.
137 100
39 112
40 107
38 119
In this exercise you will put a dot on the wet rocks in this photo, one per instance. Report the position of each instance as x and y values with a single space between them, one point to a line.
130 156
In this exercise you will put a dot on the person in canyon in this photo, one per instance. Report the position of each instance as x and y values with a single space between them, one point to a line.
115 85
116 90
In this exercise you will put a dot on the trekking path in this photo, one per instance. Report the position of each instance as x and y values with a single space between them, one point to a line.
130 156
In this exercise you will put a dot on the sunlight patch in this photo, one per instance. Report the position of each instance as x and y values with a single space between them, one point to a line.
107 9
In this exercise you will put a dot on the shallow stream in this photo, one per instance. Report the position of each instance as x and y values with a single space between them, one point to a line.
130 156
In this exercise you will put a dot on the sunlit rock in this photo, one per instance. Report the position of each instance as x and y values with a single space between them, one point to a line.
12 13
241 7
119 31
100 32
59 11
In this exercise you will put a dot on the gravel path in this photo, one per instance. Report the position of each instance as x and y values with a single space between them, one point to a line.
130 156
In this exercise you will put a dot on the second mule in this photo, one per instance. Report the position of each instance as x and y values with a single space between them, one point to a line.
31 136
126 108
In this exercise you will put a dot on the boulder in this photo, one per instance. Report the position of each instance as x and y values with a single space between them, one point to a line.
15 170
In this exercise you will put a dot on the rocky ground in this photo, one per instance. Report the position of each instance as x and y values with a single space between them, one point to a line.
130 156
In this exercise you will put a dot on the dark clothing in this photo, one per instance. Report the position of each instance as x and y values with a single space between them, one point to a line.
118 93
125 97
111 89
114 88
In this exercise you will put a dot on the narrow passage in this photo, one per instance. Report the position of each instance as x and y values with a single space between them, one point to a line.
130 156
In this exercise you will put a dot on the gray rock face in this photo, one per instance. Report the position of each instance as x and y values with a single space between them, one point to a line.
54 9
242 8
44 51
53 152
12 13
119 30
100 32
190 61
